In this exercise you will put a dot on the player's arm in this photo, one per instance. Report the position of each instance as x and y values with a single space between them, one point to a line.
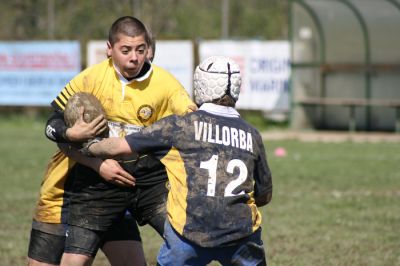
155 139
180 102
109 169
57 130
82 131
109 148
263 183
262 177
264 199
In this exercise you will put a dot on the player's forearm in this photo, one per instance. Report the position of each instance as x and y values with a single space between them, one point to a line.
56 128
74 154
109 148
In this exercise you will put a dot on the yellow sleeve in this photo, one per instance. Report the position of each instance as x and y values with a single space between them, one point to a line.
180 102
83 82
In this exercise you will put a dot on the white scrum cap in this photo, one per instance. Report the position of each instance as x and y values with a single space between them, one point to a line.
215 77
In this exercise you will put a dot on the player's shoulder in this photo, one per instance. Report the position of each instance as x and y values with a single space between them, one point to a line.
162 73
97 70
248 125
101 66
256 136
170 120
244 125
175 121
164 81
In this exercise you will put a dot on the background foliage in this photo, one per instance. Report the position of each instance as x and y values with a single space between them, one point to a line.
168 19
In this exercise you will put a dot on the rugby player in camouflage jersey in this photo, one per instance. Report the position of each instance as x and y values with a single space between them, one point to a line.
217 169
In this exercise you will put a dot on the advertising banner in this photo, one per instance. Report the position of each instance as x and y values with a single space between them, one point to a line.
265 69
174 56
32 73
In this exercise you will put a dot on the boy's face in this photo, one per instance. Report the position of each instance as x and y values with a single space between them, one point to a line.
128 54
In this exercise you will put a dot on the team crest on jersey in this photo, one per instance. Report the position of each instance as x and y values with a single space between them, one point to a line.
145 112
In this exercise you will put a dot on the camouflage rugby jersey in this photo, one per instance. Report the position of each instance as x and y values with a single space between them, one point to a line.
216 165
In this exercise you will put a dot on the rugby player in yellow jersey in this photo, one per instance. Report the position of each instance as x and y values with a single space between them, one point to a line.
218 172
135 94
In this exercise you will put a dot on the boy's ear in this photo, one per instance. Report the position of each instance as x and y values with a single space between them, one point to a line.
109 49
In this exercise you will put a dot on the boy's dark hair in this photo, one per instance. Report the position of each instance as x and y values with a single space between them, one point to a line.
129 26
225 100
152 45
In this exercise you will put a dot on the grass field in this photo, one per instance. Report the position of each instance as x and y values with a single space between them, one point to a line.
333 203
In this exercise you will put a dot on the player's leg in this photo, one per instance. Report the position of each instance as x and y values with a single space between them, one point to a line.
248 251
70 259
124 253
157 221
81 246
95 206
177 250
151 206
123 244
46 244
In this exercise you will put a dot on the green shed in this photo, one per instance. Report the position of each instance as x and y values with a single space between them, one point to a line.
345 57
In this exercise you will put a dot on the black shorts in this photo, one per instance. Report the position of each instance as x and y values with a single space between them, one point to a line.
97 204
150 205
87 242
47 241
149 201
45 247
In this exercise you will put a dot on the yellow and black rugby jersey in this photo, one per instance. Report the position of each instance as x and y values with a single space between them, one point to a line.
139 102
50 207
129 106
216 166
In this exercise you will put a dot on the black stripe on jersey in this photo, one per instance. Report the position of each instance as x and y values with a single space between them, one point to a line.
59 102
62 98
67 91
66 97
56 106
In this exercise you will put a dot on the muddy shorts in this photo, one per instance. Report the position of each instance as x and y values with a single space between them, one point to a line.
97 204
149 205
47 241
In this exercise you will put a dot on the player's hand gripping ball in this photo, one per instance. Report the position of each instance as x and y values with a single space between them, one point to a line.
92 109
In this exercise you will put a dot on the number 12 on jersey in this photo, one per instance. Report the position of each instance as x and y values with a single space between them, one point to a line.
212 164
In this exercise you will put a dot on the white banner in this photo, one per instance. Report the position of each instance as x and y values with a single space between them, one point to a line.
265 69
174 56
32 73
96 51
